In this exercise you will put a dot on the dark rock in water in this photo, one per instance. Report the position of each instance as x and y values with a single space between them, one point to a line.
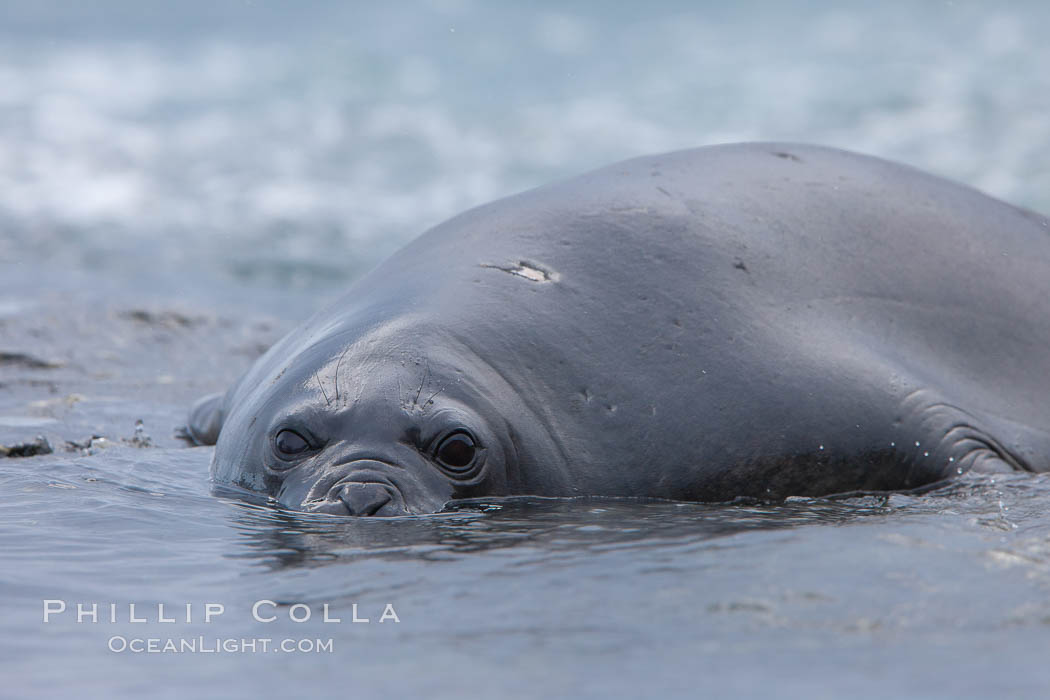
40 446
21 359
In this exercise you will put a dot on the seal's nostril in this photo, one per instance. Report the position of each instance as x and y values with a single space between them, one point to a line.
363 498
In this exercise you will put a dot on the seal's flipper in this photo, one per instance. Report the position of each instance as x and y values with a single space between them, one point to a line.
206 418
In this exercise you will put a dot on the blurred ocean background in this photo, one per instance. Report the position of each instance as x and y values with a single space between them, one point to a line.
295 144
181 182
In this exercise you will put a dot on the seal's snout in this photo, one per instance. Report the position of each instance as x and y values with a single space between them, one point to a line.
361 498
349 497
363 491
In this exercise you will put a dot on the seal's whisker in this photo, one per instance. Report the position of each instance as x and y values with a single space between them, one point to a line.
433 396
323 392
422 383
337 364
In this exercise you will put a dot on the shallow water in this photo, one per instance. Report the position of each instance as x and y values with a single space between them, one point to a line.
180 184
943 595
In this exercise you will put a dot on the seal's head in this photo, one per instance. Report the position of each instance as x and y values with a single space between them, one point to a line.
398 419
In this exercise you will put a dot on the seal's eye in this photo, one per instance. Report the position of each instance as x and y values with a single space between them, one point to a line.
290 443
456 452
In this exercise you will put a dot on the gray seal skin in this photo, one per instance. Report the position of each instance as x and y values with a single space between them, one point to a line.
757 320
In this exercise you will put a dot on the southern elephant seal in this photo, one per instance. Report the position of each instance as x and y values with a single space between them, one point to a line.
757 320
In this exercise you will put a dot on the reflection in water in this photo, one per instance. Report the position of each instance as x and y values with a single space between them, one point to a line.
280 538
